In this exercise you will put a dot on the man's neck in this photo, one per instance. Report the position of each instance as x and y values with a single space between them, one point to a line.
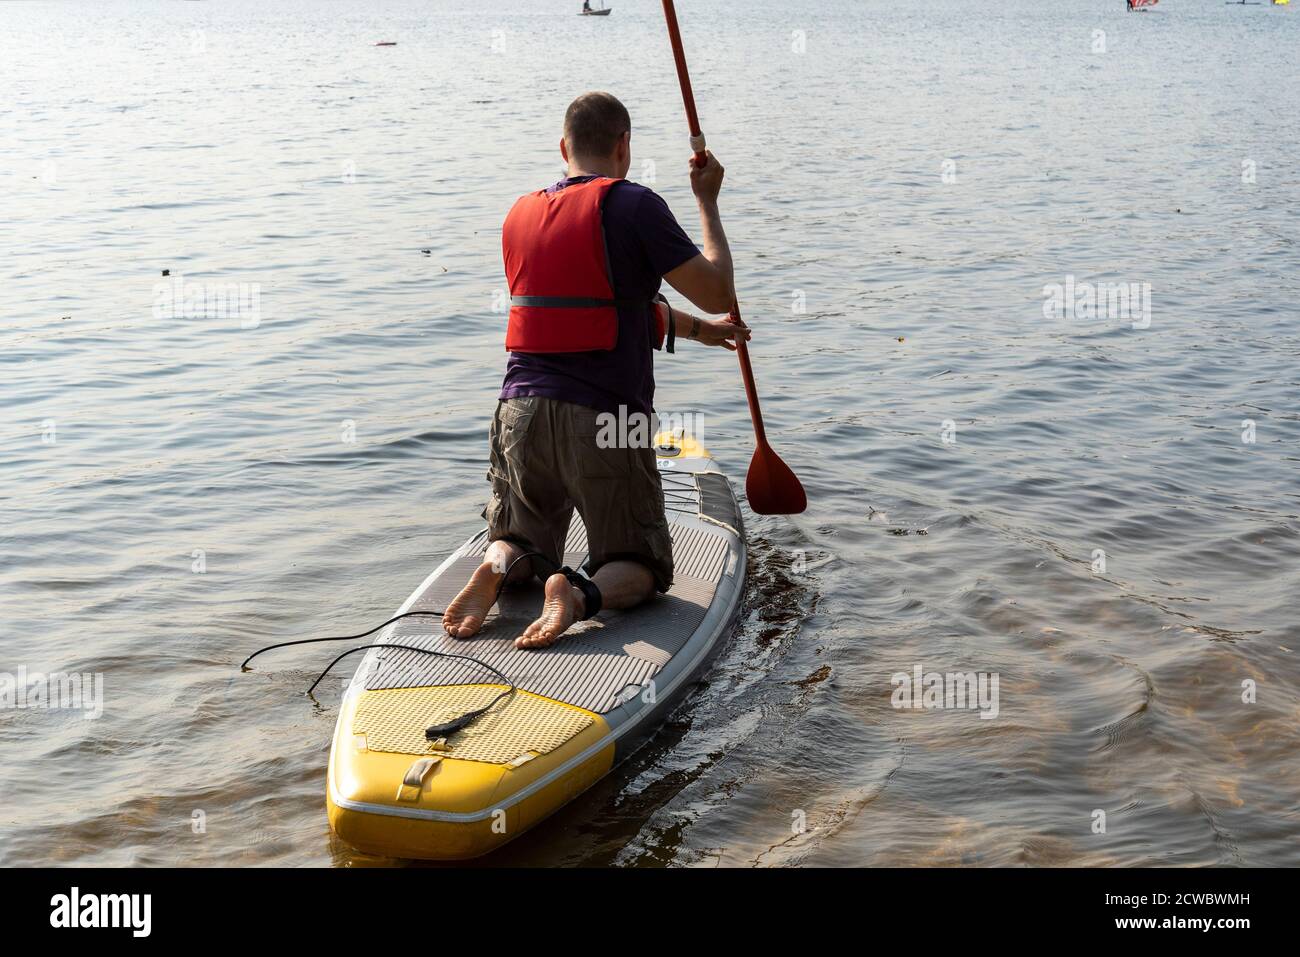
592 168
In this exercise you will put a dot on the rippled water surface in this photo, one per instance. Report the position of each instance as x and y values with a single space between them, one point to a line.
1103 513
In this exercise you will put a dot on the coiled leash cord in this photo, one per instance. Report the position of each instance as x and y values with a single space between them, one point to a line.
436 731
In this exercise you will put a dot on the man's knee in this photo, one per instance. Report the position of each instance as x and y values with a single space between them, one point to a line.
504 556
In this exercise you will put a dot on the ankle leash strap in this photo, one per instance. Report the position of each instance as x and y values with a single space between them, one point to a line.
591 600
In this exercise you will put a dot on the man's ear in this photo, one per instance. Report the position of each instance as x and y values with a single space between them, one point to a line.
564 150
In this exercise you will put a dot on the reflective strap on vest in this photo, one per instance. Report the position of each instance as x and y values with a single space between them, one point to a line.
575 302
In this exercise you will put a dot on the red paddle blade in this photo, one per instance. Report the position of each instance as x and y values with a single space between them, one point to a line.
770 486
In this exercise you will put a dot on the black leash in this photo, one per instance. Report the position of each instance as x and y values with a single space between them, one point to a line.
438 730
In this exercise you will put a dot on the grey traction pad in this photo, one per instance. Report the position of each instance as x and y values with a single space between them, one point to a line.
594 664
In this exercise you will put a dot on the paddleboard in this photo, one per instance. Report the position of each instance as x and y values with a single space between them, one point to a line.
581 706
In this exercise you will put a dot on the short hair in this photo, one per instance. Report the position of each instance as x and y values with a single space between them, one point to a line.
594 123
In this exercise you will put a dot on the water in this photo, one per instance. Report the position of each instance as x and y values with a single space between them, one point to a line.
316 465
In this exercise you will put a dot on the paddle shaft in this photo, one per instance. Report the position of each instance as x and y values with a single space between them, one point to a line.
701 158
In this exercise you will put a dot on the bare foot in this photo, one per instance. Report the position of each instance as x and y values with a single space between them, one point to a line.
464 616
559 611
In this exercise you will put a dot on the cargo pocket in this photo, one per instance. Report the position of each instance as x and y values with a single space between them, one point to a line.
593 462
506 441
510 425
497 512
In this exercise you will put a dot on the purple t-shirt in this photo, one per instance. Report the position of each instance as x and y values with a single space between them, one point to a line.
644 241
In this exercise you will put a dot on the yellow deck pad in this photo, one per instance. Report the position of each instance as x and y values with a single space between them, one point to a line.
394 720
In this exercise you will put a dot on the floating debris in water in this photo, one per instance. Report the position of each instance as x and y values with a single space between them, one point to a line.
816 678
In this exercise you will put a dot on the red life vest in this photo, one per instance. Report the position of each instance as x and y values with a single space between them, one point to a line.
561 288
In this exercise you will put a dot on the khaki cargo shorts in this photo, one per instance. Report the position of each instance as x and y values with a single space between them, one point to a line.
545 463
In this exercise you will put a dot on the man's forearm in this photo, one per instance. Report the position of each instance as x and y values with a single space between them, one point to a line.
716 249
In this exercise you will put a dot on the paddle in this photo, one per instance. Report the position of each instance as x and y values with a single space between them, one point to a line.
770 486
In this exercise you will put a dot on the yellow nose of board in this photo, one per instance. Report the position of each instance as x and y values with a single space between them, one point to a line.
394 793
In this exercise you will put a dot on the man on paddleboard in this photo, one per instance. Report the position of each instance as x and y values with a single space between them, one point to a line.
584 259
